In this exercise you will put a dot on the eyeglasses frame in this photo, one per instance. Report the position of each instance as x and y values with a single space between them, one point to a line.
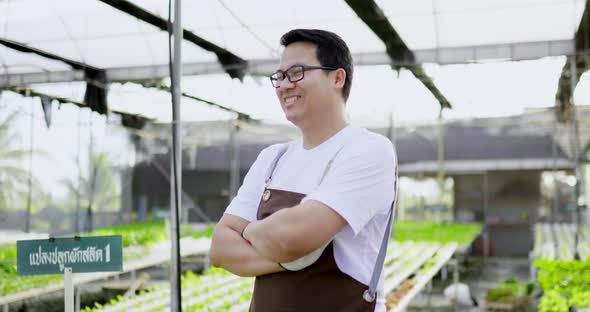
304 69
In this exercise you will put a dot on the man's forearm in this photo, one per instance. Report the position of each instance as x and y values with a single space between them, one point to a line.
269 240
292 233
231 252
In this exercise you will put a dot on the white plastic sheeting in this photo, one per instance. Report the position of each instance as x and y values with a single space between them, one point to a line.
93 32
100 35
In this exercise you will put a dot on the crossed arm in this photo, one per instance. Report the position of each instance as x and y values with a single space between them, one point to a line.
233 253
282 237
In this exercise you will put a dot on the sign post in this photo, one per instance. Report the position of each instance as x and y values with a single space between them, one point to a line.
70 255
68 290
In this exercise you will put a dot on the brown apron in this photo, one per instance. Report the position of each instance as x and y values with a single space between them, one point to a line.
318 287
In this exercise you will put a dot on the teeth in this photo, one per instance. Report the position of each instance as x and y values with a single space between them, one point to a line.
290 100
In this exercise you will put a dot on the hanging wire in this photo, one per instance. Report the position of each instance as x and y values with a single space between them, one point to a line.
143 35
218 26
273 50
4 65
7 11
68 32
293 11
573 19
436 33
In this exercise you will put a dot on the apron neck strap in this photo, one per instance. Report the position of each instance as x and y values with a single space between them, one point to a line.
280 154
274 163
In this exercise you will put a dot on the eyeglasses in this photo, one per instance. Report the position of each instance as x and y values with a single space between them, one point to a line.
294 73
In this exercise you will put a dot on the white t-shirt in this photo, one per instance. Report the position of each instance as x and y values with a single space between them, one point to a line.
360 186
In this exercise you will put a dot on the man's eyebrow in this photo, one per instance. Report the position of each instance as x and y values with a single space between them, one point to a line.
296 64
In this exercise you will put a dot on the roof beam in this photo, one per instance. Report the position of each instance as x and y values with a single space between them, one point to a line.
28 92
458 167
564 95
82 75
85 71
236 65
96 86
28 49
370 13
264 67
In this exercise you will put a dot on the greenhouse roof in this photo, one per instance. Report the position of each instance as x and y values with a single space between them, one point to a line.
127 39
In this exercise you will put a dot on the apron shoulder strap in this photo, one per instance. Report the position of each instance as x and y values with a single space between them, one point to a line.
283 148
371 294
330 164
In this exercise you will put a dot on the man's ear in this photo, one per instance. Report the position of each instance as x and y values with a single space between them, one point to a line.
339 78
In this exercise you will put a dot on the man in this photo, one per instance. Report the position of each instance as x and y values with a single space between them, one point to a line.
310 217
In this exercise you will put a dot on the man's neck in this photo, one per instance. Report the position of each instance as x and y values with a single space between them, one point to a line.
318 133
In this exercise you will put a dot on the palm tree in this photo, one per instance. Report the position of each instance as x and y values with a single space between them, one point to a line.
13 178
16 183
95 189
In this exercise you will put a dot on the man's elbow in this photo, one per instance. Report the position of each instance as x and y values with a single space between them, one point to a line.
215 257
216 250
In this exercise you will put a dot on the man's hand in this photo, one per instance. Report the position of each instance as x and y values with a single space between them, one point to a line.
292 233
231 252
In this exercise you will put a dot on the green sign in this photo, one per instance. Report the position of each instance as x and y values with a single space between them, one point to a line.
82 254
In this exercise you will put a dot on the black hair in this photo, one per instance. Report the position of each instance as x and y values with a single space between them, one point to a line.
331 51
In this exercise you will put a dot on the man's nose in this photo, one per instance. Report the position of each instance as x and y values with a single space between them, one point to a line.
286 84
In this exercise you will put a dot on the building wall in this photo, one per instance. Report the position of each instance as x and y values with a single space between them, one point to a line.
209 190
513 200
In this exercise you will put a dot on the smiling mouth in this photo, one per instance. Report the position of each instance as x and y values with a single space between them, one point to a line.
291 100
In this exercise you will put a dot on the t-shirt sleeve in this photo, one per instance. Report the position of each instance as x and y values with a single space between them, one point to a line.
245 204
361 182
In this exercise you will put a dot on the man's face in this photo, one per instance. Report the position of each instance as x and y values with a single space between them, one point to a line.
304 100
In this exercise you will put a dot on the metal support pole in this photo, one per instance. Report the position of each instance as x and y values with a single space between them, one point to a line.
485 211
164 271
429 289
89 222
441 155
77 228
176 182
532 268
554 211
68 290
30 179
391 133
576 135
234 173
456 271
78 290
